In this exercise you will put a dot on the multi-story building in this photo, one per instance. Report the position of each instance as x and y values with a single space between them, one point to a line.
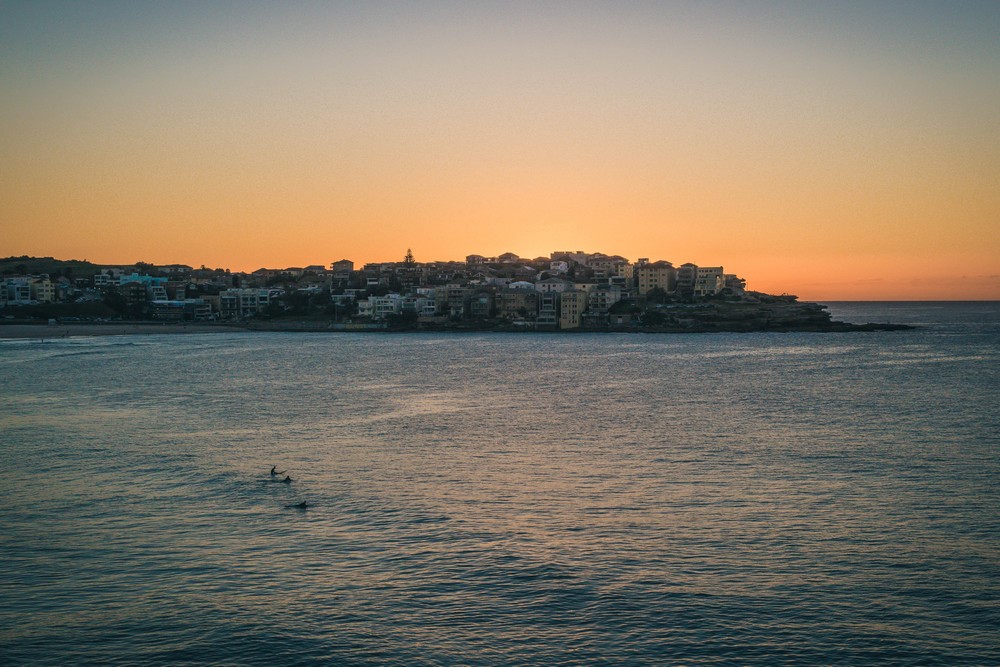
577 256
245 302
17 291
42 289
156 293
381 307
687 275
548 309
134 294
602 297
342 269
553 284
452 299
572 305
708 280
519 301
107 277
735 284
481 306
187 310
605 266
650 276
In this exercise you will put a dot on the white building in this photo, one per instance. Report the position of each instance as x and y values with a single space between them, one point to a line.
708 280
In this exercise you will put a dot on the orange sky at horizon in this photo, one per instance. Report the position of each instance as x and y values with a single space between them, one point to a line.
842 152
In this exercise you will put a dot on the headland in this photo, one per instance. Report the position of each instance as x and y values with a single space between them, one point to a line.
570 291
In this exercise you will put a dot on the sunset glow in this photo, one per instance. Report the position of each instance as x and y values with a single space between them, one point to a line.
831 150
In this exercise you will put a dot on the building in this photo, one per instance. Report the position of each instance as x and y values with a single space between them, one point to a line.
548 310
176 269
602 297
245 302
576 256
735 284
687 275
182 310
650 276
605 266
342 269
481 306
572 306
17 291
553 284
518 302
452 299
708 280
381 307
42 289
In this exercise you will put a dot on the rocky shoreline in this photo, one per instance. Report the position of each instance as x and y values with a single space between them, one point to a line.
722 317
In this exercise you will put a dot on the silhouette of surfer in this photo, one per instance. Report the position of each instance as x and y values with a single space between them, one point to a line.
287 480
298 506
275 472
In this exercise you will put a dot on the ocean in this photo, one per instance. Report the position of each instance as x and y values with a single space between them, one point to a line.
506 499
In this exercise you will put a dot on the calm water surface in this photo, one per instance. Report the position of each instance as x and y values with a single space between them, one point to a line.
506 499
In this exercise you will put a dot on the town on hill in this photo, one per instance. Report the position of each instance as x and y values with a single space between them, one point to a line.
568 291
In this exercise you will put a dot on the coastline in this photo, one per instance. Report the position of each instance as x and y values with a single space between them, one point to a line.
70 330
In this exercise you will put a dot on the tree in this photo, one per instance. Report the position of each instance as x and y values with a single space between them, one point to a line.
656 295
653 318
408 258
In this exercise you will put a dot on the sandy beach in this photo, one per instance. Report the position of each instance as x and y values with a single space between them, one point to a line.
109 329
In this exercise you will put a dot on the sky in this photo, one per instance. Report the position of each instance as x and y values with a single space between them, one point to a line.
834 150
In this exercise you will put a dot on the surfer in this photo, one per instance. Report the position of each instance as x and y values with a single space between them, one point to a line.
275 472
287 480
298 506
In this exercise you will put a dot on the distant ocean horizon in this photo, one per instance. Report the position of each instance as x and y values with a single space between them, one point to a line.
507 498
